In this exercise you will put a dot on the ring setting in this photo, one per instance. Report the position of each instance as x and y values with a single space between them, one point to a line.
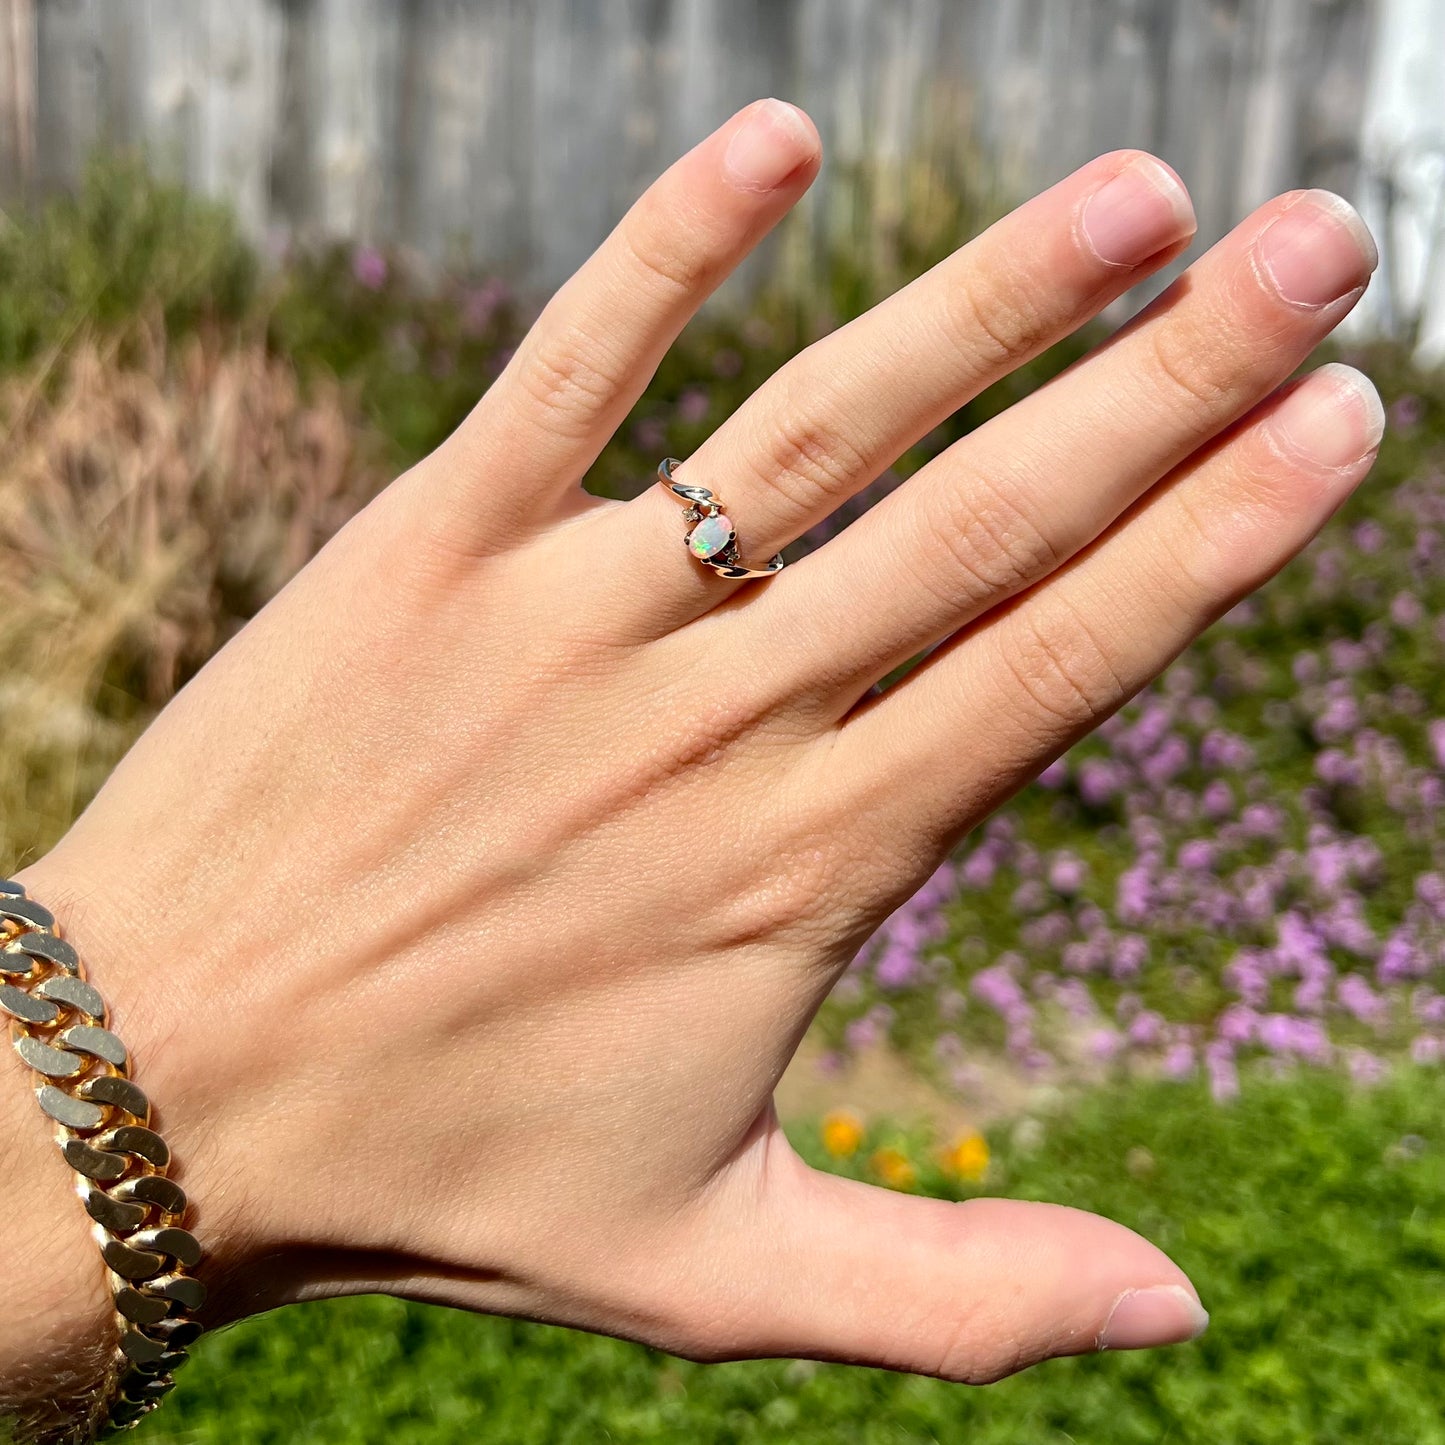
711 537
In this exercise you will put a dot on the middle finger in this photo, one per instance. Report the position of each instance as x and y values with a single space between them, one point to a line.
835 416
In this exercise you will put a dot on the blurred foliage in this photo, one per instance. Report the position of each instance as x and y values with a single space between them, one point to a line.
1308 1214
148 507
121 245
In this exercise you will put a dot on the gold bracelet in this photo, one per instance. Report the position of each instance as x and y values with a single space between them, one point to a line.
58 1026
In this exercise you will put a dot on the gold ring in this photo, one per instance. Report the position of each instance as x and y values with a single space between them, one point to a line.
710 538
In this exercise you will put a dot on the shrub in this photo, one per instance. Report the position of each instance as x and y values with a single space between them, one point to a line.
147 508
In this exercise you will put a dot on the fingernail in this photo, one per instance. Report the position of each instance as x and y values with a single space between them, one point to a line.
1318 250
1140 211
768 146
1333 418
1142 1318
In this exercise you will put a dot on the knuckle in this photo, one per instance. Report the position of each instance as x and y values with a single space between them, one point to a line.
1192 551
804 454
1214 557
791 898
1063 669
984 546
1006 325
968 1360
1190 373
651 254
572 379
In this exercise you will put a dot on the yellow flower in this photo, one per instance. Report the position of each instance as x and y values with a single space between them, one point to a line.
967 1157
842 1132
893 1167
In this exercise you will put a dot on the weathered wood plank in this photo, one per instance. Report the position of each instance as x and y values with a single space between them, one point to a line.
517 131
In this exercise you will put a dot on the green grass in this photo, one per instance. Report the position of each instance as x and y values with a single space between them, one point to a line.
1310 1215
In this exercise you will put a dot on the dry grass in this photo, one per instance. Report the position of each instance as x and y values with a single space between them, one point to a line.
153 496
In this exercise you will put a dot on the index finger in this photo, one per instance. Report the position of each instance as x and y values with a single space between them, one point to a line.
600 338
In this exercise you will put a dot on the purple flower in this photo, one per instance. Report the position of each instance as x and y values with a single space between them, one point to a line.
727 362
1365 1067
1135 895
1406 610
1426 1049
1146 1029
1407 411
1369 536
1428 1006
1238 1024
997 989
1436 734
693 405
1067 873
1104 1044
979 867
1178 1061
1131 953
1338 769
1030 897
862 1033
1262 820
1401 959
1056 774
480 305
369 267
1165 764
1217 800
1099 780
1340 718
1223 1077
1355 995
1223 751
897 968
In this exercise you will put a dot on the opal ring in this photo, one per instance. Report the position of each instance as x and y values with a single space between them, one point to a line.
711 539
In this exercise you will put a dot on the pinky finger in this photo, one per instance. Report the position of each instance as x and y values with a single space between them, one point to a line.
986 711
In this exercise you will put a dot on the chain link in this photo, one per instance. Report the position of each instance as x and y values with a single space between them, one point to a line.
58 1027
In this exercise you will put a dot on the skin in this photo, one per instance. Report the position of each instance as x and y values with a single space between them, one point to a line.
463 912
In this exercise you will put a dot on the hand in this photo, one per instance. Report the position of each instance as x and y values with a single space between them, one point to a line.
463 912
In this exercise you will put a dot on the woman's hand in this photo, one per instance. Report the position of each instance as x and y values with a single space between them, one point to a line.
463 912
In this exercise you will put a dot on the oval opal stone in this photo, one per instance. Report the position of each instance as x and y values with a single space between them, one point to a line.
710 535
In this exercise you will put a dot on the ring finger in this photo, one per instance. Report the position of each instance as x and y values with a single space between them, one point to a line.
832 419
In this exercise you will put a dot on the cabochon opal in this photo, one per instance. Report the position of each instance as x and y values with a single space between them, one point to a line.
710 535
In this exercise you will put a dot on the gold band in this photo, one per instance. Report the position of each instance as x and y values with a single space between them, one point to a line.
102 1119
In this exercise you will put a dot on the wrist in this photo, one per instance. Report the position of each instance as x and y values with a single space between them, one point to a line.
57 1330
130 961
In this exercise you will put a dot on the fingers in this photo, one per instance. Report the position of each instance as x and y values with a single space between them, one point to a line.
1003 507
1033 676
839 413
599 339
832 1269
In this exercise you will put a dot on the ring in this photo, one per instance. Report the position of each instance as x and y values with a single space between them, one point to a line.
712 540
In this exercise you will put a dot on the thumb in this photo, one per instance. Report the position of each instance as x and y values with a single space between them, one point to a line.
839 1270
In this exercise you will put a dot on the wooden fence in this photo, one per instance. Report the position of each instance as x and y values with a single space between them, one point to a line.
518 130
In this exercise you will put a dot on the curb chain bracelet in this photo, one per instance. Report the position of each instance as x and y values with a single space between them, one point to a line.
102 1119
